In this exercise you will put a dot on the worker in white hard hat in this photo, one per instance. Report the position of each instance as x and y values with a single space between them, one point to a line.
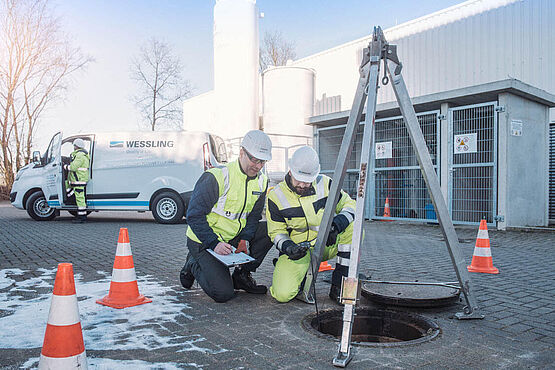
294 211
224 212
77 178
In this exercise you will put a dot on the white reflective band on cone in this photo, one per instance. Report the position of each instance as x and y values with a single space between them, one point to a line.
123 249
63 310
483 234
73 362
123 275
482 252
343 261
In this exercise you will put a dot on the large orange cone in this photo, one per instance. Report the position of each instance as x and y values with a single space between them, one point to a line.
124 291
386 211
325 266
63 346
482 260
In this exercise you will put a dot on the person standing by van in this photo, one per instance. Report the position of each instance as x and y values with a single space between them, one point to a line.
224 211
78 175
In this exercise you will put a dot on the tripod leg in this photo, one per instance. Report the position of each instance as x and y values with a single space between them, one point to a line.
471 310
350 291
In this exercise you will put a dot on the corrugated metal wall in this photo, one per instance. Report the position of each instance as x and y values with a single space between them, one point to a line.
469 44
552 172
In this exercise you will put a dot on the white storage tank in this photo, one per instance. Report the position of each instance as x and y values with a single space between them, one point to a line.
288 99
236 67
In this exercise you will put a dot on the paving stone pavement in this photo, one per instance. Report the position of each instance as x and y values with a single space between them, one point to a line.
256 332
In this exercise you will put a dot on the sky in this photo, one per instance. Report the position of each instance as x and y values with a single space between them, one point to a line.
112 32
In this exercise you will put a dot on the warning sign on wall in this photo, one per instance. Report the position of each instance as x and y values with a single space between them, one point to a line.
466 143
384 150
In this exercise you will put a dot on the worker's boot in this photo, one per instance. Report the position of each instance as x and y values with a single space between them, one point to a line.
186 276
243 279
335 292
80 219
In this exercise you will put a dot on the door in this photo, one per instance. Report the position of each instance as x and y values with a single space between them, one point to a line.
473 163
52 180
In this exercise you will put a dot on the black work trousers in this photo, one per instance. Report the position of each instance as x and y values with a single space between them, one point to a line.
213 276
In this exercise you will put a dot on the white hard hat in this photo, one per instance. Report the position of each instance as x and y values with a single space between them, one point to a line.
258 144
304 164
79 143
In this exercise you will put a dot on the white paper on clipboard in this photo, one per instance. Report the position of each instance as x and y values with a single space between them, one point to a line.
232 259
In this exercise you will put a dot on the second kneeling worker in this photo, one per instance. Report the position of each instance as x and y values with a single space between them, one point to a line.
295 208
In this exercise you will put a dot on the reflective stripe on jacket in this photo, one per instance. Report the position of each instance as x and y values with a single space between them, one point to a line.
294 217
237 196
79 167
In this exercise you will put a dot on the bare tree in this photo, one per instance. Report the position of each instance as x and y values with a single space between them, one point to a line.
161 87
36 62
275 50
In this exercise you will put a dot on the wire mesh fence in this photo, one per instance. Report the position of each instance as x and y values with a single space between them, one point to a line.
473 163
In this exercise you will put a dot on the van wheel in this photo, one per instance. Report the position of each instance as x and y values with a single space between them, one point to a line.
167 208
38 208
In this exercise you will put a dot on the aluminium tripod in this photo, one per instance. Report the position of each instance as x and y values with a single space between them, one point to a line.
379 49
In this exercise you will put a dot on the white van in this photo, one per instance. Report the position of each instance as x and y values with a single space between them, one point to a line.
130 171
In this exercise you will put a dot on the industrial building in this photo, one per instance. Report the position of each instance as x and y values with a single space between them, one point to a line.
482 81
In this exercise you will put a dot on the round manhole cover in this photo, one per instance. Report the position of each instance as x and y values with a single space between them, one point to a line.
374 328
410 295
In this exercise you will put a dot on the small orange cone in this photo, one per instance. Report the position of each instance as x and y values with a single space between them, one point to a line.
124 291
325 266
481 259
386 211
63 346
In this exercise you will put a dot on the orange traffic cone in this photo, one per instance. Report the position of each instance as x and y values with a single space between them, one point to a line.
325 266
63 346
386 211
481 259
124 291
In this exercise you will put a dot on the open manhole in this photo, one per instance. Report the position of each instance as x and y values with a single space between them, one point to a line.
374 328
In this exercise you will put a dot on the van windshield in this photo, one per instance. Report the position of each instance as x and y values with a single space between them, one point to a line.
218 148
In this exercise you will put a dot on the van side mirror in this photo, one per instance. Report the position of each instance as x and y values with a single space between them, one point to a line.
36 157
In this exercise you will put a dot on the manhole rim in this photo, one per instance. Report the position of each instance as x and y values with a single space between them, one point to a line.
306 325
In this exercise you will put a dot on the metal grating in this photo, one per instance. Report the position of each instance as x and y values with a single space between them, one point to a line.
552 172
472 186
399 179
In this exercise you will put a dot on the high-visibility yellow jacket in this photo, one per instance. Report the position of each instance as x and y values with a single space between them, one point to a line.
237 195
294 217
79 168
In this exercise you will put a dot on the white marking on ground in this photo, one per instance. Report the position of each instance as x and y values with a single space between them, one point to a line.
148 326
109 364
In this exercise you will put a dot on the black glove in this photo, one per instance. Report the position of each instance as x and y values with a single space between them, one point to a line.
294 251
338 225
332 236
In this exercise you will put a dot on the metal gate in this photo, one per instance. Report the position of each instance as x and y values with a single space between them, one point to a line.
329 141
397 176
473 163
552 172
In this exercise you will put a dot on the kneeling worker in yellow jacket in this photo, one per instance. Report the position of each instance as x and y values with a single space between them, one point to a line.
294 211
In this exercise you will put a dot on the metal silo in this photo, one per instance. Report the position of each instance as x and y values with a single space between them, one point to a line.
235 67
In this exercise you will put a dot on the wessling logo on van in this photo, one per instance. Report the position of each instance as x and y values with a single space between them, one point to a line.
142 144
116 144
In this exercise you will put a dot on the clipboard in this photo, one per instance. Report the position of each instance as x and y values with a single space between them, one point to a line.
233 258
